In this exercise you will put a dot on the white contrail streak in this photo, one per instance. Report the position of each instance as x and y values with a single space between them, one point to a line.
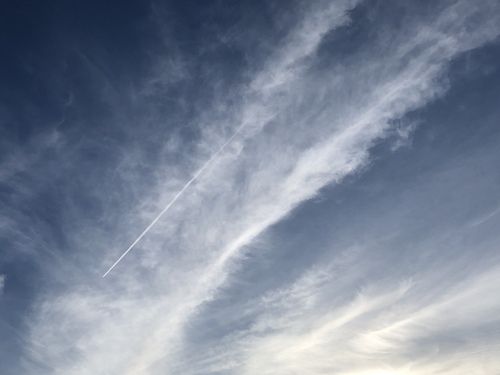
175 198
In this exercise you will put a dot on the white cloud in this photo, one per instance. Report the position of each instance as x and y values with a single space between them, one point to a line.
301 132
2 283
387 327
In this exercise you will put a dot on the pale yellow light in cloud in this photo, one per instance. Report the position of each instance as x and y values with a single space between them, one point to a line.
382 372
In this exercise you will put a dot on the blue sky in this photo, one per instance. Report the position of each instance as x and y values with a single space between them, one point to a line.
322 177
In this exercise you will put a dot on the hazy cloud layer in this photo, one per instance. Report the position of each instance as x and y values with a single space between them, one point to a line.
278 113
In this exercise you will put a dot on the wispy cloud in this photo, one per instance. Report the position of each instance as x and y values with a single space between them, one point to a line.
2 283
302 122
330 321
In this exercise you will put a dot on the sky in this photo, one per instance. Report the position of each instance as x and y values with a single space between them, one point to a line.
250 187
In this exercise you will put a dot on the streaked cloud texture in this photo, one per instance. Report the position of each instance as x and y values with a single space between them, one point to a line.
333 166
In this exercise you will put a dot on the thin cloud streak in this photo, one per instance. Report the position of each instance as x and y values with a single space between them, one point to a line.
200 171
2 283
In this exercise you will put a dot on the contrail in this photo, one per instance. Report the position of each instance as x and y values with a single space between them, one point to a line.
175 198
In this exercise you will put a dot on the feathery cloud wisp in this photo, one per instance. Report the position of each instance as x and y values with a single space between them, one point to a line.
307 116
